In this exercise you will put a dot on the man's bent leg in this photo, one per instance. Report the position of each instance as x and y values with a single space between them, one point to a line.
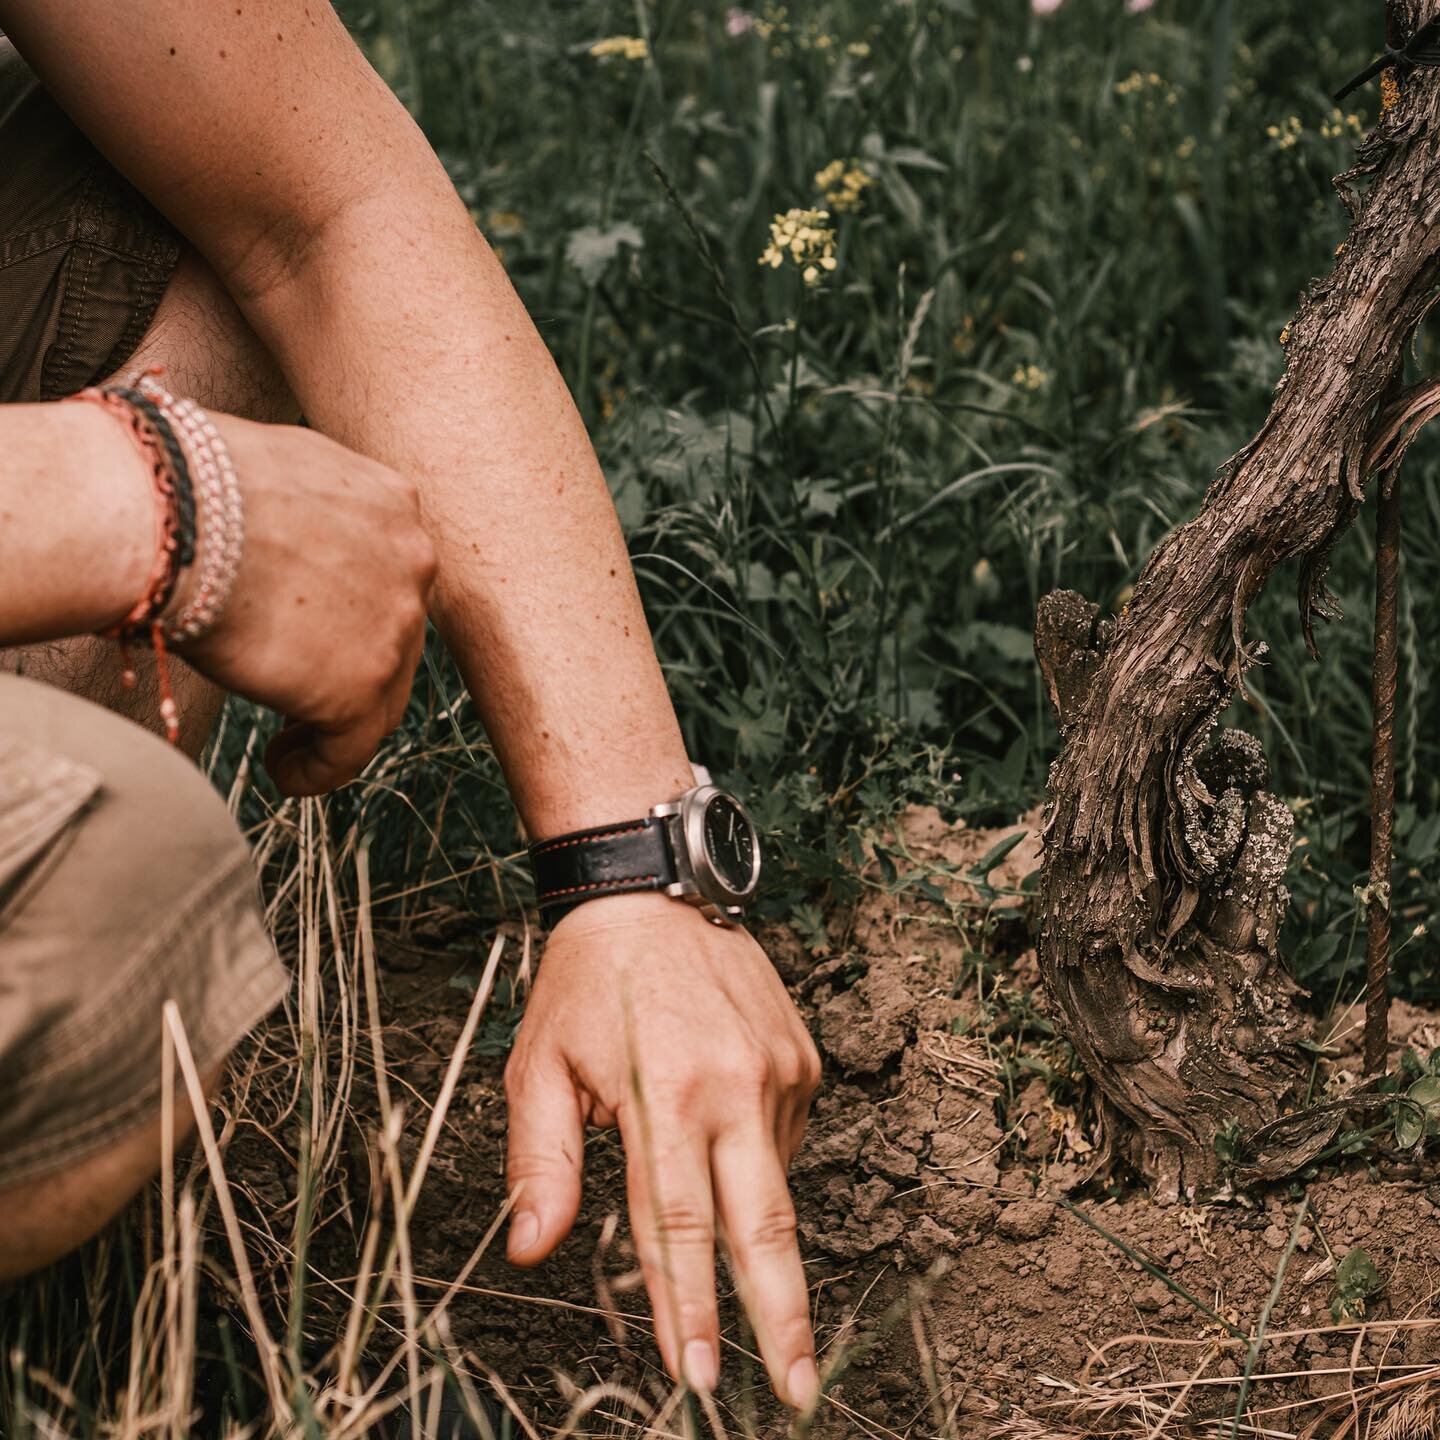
52 1214
123 884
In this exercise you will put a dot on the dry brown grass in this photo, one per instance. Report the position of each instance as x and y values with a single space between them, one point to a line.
1195 1397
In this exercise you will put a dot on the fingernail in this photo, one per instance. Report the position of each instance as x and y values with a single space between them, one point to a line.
701 1368
803 1383
524 1232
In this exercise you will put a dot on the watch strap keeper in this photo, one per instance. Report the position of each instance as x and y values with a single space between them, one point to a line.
606 860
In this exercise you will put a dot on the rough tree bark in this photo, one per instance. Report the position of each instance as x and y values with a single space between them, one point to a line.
1161 895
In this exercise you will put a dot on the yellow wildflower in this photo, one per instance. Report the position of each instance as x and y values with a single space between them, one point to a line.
1339 122
627 47
804 238
1287 134
860 49
1031 378
775 19
843 184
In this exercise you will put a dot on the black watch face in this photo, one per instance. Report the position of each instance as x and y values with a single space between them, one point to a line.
729 843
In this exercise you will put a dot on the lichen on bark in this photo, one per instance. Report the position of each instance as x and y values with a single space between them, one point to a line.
1162 895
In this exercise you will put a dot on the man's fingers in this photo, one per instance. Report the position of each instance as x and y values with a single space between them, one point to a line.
672 1217
795 1119
307 759
398 698
797 1113
758 1221
311 757
546 1151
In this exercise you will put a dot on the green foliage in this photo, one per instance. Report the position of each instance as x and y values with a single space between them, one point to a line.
1357 1282
1416 1114
1054 312
1230 1145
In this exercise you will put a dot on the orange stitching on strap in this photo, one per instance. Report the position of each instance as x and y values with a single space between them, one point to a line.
550 895
544 847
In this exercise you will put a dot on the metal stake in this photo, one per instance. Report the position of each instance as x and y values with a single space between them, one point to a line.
1382 776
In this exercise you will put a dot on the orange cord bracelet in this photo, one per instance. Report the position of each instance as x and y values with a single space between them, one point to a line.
144 616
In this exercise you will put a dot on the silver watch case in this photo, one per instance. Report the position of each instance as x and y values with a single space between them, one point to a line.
698 882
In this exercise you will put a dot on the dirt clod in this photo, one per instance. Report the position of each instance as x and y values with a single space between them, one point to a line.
1025 1220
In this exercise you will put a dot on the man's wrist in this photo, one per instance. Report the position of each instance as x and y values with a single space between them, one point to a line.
78 537
608 795
633 909
701 848
115 514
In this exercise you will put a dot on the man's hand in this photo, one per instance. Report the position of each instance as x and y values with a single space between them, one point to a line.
648 1017
327 618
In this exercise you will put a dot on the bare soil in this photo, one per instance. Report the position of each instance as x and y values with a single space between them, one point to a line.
945 1269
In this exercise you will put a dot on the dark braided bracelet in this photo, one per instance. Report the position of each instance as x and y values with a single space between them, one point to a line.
179 470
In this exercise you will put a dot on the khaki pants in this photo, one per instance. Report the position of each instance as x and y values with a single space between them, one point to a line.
84 259
123 883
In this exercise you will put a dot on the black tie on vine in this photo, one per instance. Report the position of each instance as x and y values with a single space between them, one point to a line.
1421 52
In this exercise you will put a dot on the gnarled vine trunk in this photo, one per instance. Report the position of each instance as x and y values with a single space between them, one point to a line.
1162 891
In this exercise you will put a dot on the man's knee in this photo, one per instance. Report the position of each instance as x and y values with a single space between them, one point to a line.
128 886
51 1214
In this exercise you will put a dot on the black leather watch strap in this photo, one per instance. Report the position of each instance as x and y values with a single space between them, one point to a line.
608 860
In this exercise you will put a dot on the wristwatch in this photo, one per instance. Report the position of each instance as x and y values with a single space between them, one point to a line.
702 848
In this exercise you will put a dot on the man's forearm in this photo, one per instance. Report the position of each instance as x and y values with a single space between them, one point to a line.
301 179
76 522
403 338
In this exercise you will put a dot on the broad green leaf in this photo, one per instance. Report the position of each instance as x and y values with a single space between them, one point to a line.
997 853
1422 1116
1357 1276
